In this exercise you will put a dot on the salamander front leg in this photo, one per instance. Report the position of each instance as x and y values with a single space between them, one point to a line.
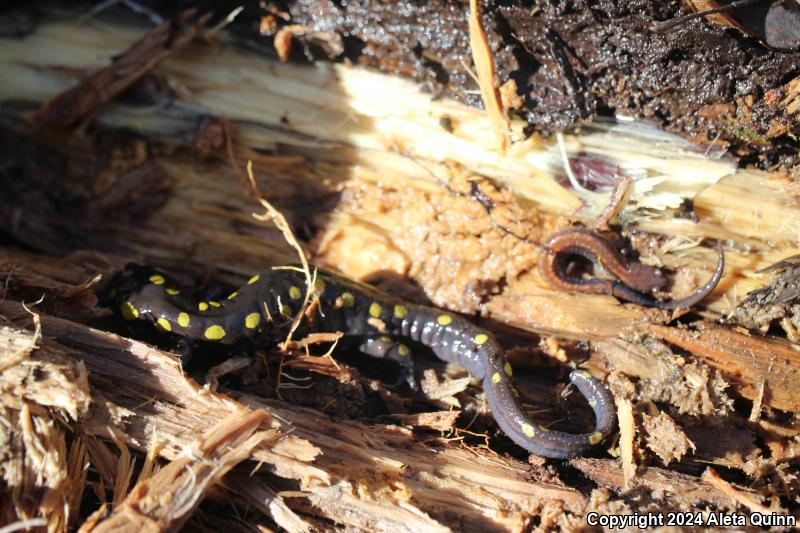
388 348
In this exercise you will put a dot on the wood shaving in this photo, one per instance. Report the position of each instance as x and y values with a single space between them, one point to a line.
665 438
484 65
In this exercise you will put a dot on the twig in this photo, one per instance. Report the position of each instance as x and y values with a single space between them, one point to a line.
100 87
484 66
711 477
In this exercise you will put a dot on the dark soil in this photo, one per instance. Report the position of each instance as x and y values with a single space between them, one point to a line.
573 60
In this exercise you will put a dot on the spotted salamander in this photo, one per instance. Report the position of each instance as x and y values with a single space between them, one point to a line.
261 311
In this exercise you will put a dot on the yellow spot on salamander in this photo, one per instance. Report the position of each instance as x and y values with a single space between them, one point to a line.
233 295
253 279
375 310
157 279
252 320
586 373
294 293
164 324
595 437
348 300
543 428
399 311
214 304
444 320
214 333
386 339
507 369
173 292
285 310
183 320
496 377
129 312
202 306
480 339
319 285
403 350
528 430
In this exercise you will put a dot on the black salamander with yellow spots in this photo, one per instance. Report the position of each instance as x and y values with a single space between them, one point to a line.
262 310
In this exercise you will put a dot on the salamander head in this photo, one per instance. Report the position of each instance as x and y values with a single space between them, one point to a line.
123 284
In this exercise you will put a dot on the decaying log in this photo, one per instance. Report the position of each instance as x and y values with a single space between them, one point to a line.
336 463
683 490
566 63
105 84
751 362
166 500
386 183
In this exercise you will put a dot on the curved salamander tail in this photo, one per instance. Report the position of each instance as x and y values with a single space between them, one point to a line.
626 293
454 339
540 440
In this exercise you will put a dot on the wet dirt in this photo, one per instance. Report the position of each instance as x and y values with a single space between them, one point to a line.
574 60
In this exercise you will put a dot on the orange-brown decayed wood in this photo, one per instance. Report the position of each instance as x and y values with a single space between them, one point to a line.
745 360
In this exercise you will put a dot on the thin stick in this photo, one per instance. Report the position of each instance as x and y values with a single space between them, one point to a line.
484 66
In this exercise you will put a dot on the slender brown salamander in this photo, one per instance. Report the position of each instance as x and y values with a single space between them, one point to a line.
634 280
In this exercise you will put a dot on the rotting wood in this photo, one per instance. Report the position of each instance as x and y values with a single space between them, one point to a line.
41 376
570 64
113 464
680 489
37 480
259 494
383 452
627 428
334 461
664 437
434 479
166 500
374 230
745 360
373 164
348 116
743 497
101 86
40 385
484 66
375 233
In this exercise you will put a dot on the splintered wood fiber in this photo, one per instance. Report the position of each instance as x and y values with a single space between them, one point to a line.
158 146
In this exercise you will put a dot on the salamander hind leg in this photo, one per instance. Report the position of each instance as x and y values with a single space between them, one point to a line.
388 348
